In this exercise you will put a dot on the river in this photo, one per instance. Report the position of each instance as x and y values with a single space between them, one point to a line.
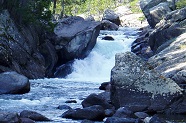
47 94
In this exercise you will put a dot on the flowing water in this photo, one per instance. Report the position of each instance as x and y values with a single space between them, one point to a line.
47 94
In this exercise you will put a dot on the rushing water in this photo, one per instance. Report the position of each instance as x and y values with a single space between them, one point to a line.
47 94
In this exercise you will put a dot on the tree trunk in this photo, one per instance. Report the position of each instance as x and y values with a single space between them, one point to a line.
63 8
54 7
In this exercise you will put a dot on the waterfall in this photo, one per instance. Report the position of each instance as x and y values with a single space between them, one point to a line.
97 66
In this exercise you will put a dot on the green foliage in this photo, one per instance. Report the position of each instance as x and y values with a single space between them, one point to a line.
36 11
134 6
180 4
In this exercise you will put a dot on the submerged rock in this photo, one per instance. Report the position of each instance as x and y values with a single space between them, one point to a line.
138 87
13 83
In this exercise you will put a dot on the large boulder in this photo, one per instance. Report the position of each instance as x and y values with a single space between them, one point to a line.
13 83
138 87
157 13
146 6
171 60
111 16
173 25
75 37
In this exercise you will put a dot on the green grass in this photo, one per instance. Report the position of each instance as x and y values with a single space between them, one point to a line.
134 6
180 4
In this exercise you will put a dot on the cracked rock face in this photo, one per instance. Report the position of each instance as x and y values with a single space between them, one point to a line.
135 85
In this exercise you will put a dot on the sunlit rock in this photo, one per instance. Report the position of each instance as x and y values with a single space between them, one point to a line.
75 37
146 5
138 87
111 16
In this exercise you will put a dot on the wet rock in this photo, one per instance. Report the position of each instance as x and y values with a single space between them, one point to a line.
109 112
87 121
138 87
33 116
95 113
141 115
64 70
108 25
120 120
123 112
105 86
71 101
105 96
108 38
75 38
26 120
111 16
94 99
156 119
13 83
6 117
62 107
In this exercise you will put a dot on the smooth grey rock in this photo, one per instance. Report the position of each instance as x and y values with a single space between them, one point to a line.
108 25
27 120
13 83
33 116
123 112
138 87
6 117
94 99
95 113
141 115
110 15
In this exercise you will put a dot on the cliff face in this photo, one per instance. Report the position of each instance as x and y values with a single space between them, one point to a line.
20 48
30 49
